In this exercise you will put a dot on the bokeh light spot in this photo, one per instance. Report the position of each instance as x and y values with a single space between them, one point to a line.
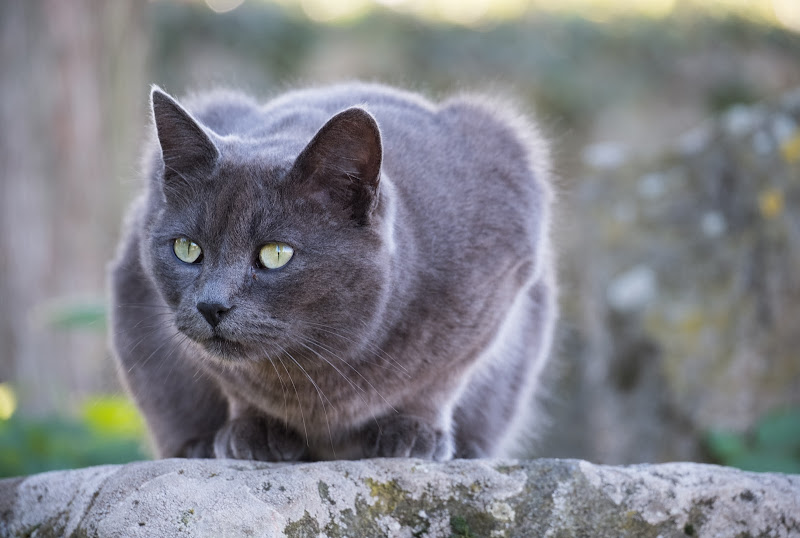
788 13
770 203
8 401
334 11
223 6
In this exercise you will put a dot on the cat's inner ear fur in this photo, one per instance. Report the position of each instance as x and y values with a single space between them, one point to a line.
186 148
342 164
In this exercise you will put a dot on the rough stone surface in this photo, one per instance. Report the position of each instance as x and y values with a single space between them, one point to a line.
400 498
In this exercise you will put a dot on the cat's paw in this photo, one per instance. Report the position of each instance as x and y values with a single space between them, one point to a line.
197 448
258 438
401 436
470 450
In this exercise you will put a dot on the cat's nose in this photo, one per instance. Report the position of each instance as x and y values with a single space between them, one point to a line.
213 312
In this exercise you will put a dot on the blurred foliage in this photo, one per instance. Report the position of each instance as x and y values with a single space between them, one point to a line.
773 445
108 430
573 68
76 314
479 14
113 416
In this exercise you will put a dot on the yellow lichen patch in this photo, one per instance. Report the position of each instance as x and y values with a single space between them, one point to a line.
791 149
770 203
388 494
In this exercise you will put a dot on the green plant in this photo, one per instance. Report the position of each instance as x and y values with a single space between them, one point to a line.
773 444
71 314
109 430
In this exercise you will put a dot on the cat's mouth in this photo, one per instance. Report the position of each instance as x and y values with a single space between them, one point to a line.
223 348
227 347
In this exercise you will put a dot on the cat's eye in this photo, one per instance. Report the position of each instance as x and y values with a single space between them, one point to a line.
187 250
274 255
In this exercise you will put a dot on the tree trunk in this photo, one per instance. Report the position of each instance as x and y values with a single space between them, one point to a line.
73 96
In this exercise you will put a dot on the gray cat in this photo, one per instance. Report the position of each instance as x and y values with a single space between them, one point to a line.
344 272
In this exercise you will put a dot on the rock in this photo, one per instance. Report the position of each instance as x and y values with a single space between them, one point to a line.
486 498
681 289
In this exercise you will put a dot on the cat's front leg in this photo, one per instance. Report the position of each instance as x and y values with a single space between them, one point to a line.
201 447
406 436
258 437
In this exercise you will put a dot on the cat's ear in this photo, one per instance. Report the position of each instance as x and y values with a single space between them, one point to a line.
342 163
185 147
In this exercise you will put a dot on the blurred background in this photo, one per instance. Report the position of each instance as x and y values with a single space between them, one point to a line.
676 143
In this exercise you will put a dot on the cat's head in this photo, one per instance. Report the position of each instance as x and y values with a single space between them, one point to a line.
260 247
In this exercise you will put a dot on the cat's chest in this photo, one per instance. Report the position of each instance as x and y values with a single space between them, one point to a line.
306 397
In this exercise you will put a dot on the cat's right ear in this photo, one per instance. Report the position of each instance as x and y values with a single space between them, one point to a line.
186 148
341 166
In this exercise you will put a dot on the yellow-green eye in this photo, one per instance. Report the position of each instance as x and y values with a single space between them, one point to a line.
274 255
186 250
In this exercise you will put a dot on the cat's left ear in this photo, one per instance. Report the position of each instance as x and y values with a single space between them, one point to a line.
185 147
342 163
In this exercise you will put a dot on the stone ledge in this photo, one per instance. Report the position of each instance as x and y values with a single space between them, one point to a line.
490 498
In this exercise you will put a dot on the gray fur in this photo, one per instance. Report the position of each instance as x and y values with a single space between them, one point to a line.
415 316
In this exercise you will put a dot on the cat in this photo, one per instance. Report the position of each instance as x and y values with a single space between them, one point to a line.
343 272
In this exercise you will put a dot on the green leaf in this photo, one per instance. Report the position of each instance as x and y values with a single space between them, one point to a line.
766 462
780 430
725 446
460 528
76 314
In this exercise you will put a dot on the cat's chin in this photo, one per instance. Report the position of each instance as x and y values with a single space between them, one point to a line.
224 350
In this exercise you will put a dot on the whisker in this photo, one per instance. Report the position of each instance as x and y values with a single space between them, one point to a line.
375 350
366 405
321 395
166 341
342 332
142 305
315 352
159 315
324 348
143 338
283 385
299 402
172 352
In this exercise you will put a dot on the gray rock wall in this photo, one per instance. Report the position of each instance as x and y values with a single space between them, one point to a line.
400 498
681 288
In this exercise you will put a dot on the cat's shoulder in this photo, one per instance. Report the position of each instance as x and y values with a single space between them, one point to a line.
501 126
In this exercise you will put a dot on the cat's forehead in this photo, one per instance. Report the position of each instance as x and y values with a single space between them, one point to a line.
249 175
257 160
247 194
242 187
